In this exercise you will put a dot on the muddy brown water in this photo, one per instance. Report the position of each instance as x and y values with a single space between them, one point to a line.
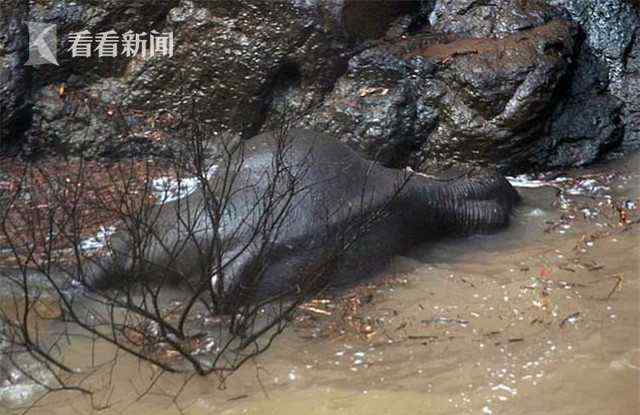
542 318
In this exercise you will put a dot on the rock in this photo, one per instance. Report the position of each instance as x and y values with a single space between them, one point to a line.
13 81
610 27
241 66
546 99
472 102
74 117
484 19
597 99
587 120
611 30
430 82
582 133
363 20
629 93
96 17
500 94
232 60
380 107
74 103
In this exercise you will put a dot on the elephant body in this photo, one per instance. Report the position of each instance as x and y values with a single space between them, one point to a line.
296 211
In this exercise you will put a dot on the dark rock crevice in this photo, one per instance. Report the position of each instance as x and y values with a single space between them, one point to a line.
277 97
586 121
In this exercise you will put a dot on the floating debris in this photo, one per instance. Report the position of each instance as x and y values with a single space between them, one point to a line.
587 187
99 241
446 320
537 212
526 181
503 387
570 319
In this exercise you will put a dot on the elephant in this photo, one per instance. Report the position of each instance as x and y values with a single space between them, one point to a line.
290 211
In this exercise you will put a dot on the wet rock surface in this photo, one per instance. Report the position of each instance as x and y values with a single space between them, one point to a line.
68 102
466 102
13 84
230 60
381 106
431 84
566 105
587 120
598 108
481 19
499 95
96 17
234 58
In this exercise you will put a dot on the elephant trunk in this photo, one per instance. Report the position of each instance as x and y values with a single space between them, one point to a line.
466 205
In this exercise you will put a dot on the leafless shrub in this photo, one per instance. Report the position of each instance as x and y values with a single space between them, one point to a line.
171 299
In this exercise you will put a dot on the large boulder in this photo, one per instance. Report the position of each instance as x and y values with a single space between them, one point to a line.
13 82
232 58
500 94
507 83
240 66
597 101
611 46
75 116
467 102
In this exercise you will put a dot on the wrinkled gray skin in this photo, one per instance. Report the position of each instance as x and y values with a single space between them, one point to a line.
333 191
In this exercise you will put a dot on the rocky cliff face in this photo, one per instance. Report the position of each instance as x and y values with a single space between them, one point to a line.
516 84
14 84
608 61
468 101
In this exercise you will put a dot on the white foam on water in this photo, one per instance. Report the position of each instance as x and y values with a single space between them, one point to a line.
525 181
99 241
169 189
